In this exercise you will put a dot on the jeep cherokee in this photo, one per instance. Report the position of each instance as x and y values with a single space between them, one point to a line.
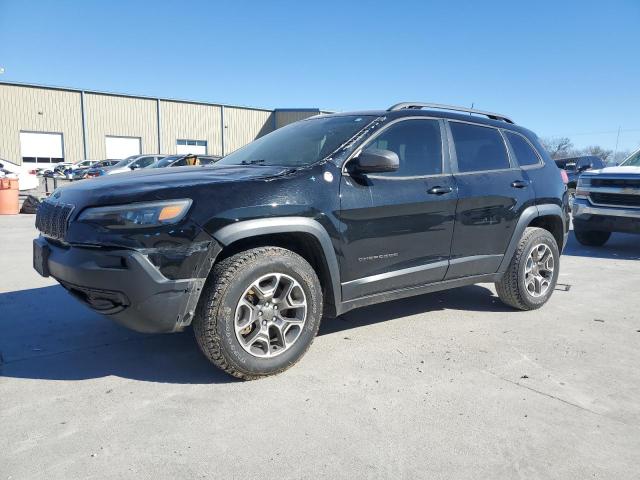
314 219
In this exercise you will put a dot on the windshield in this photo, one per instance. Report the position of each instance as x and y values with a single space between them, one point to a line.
165 162
299 144
125 162
633 160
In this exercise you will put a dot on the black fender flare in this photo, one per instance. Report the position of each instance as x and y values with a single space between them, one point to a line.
265 226
527 215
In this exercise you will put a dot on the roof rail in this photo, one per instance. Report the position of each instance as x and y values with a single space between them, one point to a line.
438 106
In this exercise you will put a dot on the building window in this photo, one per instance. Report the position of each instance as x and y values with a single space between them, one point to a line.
41 160
197 147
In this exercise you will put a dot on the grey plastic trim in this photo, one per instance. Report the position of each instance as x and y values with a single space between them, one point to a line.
348 287
416 290
265 226
472 258
584 211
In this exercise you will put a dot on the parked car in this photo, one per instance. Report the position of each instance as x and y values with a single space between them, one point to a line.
56 170
316 218
132 163
574 166
184 160
608 200
27 178
76 170
95 170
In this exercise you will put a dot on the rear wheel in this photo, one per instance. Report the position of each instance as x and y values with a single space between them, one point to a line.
259 312
591 238
533 272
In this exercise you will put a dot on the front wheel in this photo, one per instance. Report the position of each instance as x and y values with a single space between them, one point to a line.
259 312
533 272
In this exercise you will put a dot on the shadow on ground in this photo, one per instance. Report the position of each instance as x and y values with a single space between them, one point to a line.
473 298
46 334
620 246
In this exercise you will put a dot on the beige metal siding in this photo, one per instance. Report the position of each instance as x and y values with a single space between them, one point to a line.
189 121
285 117
242 125
109 115
39 110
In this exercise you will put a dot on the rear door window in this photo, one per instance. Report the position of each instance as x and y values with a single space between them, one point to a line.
525 155
478 148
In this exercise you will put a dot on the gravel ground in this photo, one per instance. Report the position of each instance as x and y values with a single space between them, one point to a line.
446 385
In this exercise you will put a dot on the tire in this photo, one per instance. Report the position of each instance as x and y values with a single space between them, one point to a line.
238 278
515 287
571 195
591 238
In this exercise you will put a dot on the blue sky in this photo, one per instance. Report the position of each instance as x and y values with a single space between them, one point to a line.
559 68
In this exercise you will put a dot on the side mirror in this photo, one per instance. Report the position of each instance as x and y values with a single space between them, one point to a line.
376 160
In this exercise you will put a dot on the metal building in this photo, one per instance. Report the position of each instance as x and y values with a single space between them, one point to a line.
42 124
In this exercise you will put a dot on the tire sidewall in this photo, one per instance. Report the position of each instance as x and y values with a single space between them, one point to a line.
229 344
545 238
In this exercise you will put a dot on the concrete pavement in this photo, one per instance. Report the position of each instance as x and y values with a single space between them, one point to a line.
446 385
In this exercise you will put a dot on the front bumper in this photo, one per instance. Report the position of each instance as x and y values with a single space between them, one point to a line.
124 284
609 219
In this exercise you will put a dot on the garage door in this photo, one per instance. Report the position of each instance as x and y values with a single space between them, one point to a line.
197 147
122 147
41 147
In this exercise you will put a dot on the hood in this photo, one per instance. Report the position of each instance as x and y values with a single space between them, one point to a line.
158 183
620 170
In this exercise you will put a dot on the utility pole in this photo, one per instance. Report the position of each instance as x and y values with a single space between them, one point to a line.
615 152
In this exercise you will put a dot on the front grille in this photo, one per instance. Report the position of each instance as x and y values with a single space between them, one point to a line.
52 219
622 200
616 182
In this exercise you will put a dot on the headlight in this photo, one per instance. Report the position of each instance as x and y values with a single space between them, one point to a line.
583 182
137 215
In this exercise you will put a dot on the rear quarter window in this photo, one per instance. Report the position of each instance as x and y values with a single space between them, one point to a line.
478 148
524 152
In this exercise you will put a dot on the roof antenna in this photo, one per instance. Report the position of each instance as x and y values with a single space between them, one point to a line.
472 104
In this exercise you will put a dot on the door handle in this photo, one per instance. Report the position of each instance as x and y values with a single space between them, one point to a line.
439 190
519 184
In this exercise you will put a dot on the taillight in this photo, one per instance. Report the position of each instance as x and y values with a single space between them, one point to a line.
564 176
32 172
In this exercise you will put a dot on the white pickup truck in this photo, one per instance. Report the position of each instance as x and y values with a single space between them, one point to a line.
608 200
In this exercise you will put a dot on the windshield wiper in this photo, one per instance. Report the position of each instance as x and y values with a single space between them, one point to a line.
253 162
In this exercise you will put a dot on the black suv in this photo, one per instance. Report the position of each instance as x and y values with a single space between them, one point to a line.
314 219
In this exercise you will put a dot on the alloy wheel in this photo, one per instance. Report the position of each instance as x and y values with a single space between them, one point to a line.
270 315
538 271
